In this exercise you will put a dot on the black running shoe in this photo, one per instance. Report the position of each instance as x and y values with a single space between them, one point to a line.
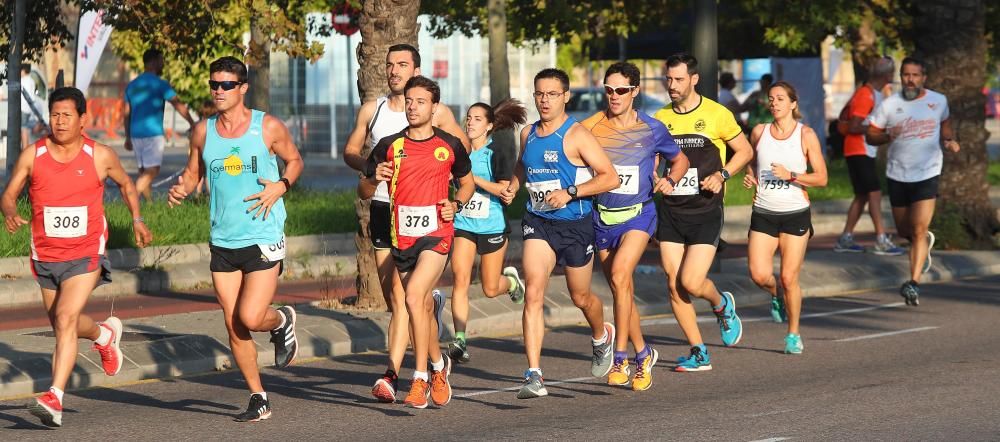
458 351
910 292
286 346
258 410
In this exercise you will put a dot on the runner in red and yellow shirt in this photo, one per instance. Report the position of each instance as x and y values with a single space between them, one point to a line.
418 164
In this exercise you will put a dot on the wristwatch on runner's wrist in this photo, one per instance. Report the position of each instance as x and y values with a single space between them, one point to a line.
138 220
458 206
571 190
725 174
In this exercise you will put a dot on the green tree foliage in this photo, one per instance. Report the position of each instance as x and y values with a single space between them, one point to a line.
193 33
45 28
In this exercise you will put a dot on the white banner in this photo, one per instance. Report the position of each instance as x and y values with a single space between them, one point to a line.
92 36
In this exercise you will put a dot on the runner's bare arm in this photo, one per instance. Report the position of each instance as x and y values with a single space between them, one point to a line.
948 136
182 109
444 119
493 188
356 141
18 179
814 154
110 166
466 187
279 141
742 154
678 167
507 195
195 169
750 177
876 135
592 155
367 185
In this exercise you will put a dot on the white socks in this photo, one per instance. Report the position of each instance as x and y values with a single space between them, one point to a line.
438 366
104 338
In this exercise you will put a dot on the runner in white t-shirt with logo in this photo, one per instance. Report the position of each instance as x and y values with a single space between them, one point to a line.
915 123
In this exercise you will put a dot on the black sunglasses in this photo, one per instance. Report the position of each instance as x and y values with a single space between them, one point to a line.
226 85
618 90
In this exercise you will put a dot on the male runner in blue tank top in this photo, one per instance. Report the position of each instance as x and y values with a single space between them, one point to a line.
235 151
556 152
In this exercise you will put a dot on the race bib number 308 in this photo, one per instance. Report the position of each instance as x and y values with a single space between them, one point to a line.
65 222
417 221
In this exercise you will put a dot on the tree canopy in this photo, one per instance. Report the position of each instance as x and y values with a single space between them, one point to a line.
45 29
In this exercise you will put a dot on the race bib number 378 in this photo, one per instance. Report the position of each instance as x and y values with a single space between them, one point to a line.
417 221
65 222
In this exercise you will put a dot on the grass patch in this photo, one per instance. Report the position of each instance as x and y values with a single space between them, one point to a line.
993 173
309 212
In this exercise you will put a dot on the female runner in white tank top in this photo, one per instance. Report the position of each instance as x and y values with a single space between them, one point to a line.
784 151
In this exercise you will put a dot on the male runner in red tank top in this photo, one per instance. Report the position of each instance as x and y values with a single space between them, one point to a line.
67 172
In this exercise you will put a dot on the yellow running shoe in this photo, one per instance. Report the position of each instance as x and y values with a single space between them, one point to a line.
644 372
619 374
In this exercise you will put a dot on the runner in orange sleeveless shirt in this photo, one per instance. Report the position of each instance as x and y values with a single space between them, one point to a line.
68 232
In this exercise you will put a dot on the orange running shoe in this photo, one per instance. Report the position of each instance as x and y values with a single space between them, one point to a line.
440 387
417 398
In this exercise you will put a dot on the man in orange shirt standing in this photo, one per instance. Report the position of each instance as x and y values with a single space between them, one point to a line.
861 165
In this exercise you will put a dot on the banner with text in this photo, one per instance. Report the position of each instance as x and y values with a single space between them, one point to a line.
92 36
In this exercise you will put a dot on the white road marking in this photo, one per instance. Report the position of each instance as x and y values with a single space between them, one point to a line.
667 320
773 439
547 384
770 413
882 335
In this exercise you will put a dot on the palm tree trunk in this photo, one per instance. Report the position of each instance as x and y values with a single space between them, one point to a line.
950 36
383 23
259 63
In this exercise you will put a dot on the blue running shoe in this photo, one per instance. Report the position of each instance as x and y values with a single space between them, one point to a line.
778 313
438 309
697 361
793 344
930 246
730 325
910 292
846 244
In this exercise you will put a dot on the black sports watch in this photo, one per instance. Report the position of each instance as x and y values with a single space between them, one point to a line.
725 174
571 190
459 206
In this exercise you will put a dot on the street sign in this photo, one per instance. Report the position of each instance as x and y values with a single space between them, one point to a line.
345 19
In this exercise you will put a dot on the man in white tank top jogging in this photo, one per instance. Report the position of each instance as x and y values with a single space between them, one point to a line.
915 124
378 119
784 151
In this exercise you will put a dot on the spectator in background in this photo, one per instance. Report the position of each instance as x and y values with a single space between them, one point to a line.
726 97
145 97
860 158
29 121
756 104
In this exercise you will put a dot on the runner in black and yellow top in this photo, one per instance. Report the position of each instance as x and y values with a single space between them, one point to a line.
690 217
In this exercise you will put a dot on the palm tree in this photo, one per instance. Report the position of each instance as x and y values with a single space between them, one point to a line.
950 35
383 23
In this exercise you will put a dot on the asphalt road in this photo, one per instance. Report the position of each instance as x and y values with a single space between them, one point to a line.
872 369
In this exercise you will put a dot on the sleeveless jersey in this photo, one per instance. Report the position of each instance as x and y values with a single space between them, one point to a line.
547 169
385 122
422 172
233 166
67 206
484 213
702 134
774 194
633 152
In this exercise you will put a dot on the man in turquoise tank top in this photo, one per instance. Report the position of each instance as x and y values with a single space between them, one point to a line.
236 152
557 156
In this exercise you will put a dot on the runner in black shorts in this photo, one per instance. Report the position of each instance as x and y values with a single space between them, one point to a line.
691 216
417 163
915 122
481 227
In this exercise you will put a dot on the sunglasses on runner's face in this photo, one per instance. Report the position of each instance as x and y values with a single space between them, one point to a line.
225 85
620 90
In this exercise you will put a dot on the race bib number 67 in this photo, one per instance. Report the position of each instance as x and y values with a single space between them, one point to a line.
65 222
